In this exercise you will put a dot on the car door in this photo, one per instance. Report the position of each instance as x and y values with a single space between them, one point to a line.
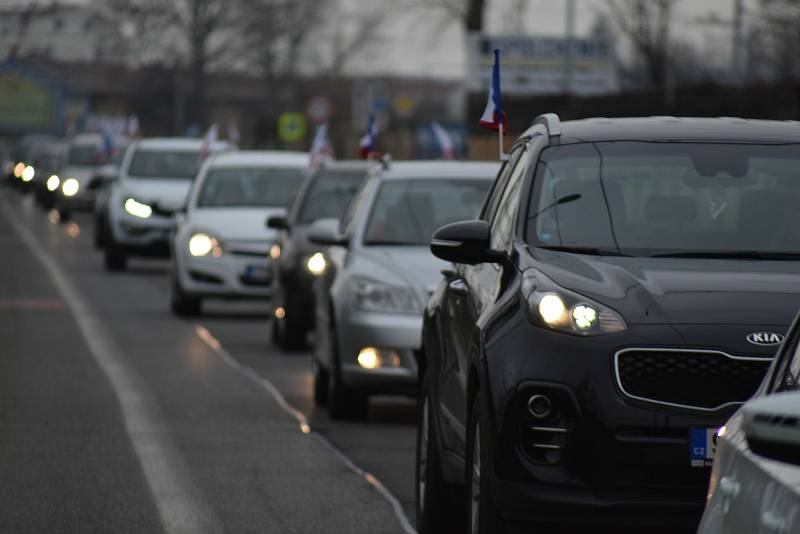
465 295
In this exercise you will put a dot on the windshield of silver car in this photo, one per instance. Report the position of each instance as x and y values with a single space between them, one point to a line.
668 199
408 212
249 187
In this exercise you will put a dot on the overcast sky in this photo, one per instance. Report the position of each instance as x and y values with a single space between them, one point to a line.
421 45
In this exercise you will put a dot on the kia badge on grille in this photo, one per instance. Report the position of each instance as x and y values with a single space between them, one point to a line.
765 338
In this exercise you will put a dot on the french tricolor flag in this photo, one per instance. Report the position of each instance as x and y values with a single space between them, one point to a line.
493 116
367 143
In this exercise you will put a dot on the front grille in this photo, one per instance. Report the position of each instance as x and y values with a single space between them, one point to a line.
697 379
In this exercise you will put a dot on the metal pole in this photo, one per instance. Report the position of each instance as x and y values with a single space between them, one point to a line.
569 39
738 40
503 155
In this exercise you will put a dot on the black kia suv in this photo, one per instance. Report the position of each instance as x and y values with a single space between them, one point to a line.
623 290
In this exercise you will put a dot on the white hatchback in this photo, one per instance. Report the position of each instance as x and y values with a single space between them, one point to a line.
221 245
152 186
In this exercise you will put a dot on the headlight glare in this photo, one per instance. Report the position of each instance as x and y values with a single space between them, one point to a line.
562 310
53 182
371 295
316 264
201 244
70 187
138 209
28 173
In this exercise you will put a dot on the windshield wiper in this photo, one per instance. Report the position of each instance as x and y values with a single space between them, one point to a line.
731 254
593 251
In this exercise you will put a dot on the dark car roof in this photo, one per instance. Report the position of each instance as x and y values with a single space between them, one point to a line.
666 129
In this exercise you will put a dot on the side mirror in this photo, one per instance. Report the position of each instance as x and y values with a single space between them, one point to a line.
770 426
465 242
325 232
277 222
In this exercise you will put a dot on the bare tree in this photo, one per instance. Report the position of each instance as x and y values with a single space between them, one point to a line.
25 16
779 41
645 24
188 33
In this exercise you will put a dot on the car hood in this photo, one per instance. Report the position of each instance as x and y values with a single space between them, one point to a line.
681 291
413 267
235 224
167 194
82 174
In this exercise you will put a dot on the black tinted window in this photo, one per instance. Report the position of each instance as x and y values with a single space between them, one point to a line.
330 194
649 198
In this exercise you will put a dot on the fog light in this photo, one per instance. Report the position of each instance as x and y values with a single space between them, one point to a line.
369 358
275 251
539 406
280 313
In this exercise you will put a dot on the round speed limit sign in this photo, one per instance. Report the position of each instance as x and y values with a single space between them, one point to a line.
320 109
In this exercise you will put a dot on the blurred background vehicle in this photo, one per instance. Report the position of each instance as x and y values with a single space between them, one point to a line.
221 244
325 193
153 184
85 154
754 480
378 272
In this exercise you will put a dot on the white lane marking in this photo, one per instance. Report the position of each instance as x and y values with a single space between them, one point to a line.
181 508
305 428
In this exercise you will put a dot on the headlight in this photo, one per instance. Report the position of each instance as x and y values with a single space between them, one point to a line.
53 182
70 187
371 295
28 173
138 209
19 168
316 263
275 252
565 311
201 244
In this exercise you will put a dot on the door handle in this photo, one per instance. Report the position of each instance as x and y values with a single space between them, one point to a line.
773 523
729 487
458 286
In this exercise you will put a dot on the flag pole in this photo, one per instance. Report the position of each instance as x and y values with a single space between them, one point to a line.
503 155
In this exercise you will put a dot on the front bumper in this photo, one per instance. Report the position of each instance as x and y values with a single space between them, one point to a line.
609 452
229 276
398 333
149 236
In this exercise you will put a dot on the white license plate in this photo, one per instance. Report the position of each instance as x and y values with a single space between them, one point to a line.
702 446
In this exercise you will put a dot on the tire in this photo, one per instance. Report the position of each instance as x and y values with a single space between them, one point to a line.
343 402
482 515
182 304
438 506
290 333
114 258
320 382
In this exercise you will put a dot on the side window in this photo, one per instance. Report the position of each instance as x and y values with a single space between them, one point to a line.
503 224
500 185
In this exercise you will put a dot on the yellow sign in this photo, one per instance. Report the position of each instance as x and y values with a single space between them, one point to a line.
292 127
24 104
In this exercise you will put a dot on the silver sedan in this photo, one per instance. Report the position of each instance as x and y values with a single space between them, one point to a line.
376 275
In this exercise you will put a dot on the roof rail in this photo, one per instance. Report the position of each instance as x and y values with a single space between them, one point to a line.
551 121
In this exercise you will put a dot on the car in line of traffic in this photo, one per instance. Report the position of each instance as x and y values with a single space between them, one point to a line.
621 293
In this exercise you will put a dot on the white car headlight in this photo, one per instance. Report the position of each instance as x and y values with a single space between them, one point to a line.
28 173
202 244
316 263
560 309
53 182
137 209
371 295
70 187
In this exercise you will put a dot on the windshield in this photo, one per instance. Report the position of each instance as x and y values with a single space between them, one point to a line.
249 187
83 156
408 212
330 194
164 164
639 198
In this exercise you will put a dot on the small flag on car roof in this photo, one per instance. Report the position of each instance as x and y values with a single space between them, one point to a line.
321 147
367 143
494 117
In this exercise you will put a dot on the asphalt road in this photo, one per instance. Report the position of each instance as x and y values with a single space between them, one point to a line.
117 416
